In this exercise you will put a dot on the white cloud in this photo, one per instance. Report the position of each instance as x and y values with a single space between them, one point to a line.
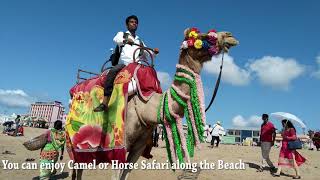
231 73
15 98
164 79
317 73
252 121
276 72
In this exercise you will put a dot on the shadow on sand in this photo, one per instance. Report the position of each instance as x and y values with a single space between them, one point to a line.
63 175
252 165
256 166
188 174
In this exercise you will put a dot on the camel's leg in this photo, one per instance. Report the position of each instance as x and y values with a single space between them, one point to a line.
136 135
135 153
79 174
116 174
74 174
132 158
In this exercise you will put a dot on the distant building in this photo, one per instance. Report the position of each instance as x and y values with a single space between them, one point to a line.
48 112
238 135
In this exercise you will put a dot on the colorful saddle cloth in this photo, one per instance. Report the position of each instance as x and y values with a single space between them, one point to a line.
101 136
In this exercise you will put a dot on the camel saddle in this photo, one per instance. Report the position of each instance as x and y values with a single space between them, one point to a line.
139 79
101 136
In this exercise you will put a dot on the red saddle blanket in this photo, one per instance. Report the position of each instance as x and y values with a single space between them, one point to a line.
145 76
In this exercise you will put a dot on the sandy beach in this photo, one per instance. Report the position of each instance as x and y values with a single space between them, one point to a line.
231 154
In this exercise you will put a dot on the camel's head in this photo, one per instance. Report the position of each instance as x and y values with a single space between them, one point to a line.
226 40
202 46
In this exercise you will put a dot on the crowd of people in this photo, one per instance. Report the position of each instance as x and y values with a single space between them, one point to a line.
288 157
13 128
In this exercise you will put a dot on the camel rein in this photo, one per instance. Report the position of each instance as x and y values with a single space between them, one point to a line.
217 83
215 91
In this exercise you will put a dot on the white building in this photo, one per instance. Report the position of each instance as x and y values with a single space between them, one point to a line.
48 111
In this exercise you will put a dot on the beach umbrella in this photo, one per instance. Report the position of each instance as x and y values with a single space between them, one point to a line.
284 115
8 123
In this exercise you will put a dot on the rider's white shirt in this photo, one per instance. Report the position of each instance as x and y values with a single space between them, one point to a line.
126 55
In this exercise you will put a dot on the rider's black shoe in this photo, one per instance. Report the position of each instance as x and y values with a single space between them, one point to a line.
100 108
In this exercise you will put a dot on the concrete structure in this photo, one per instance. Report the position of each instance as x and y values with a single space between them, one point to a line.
48 112
241 134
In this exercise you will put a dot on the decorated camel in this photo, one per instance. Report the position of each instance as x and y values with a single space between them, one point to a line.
184 98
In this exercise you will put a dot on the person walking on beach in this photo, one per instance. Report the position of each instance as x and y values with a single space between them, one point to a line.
50 152
316 140
289 158
208 132
216 132
267 138
17 124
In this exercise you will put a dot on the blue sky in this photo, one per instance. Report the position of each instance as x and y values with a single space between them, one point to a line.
276 67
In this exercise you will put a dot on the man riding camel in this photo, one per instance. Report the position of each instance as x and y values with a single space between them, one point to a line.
128 42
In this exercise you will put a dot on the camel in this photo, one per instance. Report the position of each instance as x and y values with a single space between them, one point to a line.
141 113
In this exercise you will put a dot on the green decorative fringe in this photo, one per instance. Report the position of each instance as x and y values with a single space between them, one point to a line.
164 130
190 137
195 103
175 134
177 98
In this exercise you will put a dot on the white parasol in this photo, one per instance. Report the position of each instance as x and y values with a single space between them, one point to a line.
284 115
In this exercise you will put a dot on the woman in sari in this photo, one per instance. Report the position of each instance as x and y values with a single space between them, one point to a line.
50 152
289 158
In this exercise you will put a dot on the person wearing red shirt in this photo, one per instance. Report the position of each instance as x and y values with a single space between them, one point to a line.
267 138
